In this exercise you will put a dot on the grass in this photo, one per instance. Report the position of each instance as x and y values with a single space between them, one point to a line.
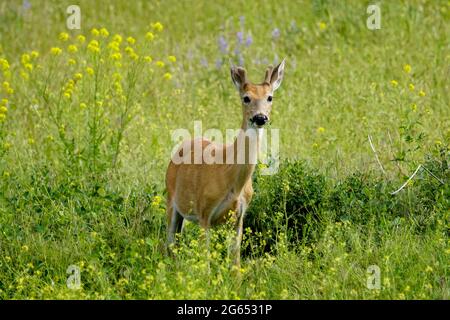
85 139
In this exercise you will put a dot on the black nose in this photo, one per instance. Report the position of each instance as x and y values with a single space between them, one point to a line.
260 119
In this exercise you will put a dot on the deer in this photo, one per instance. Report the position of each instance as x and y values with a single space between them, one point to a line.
206 193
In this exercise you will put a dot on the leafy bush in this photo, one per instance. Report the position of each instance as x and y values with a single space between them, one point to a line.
297 196
285 202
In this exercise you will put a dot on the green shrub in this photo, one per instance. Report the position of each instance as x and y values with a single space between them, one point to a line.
289 202
285 202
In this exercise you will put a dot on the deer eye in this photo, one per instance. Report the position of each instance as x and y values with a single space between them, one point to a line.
246 99
269 98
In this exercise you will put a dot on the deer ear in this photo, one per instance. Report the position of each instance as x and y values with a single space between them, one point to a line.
277 76
239 76
268 75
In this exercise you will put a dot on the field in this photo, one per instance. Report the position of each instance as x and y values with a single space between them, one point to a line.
86 122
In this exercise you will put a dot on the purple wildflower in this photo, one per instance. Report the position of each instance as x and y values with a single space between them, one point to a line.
26 4
276 33
223 45
240 37
249 40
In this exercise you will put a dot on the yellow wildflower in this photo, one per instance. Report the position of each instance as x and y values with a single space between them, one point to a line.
157 26
117 38
148 59
25 58
72 48
167 76
407 68
56 51
428 269
149 36
411 87
90 71
81 38
3 109
72 61
78 76
156 201
322 25
70 83
5 64
104 32
114 45
394 83
83 105
34 54
29 66
160 64
422 93
116 56
4 102
95 32
64 36
24 75
25 248
118 87
320 129
172 59
2 117
94 46
131 40
94 49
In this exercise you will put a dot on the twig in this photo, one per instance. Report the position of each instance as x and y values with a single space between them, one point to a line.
431 173
407 181
376 155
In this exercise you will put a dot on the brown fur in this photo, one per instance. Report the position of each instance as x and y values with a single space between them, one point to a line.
198 190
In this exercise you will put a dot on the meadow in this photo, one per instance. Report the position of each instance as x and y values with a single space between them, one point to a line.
86 118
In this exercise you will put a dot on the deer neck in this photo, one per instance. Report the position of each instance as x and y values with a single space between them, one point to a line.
245 148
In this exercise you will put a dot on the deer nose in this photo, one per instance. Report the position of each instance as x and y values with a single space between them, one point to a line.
260 119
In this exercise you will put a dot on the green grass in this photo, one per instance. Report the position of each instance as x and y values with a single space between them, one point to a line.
82 164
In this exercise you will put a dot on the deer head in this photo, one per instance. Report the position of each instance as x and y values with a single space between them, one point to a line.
257 98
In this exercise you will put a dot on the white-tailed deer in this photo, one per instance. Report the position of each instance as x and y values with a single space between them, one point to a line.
206 192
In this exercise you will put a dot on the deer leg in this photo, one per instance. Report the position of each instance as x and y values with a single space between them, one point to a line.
238 239
175 226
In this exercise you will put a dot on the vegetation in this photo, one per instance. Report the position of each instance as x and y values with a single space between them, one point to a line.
86 118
